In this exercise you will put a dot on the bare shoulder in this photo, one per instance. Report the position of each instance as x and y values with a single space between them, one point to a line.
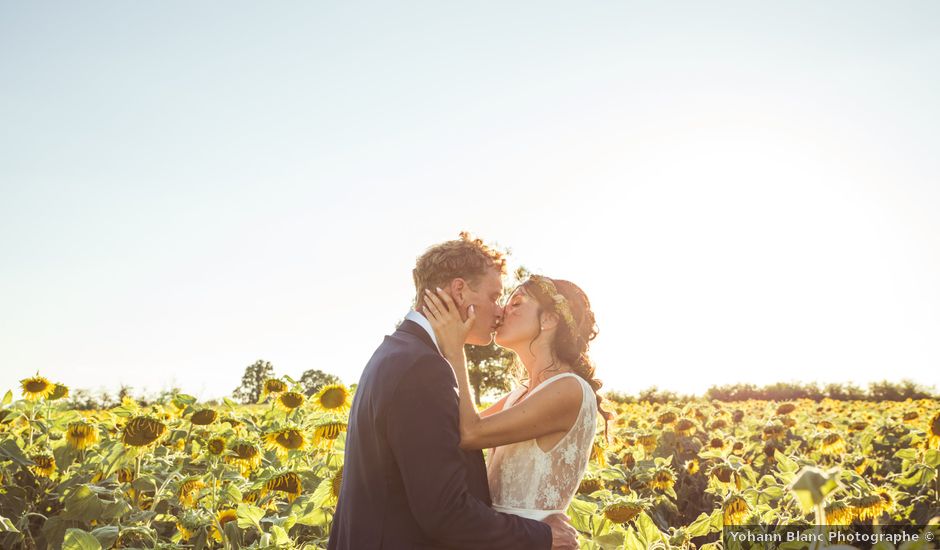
564 393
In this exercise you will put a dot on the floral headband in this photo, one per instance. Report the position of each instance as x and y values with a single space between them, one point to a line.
547 286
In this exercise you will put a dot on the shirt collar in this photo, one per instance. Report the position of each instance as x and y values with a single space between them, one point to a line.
423 322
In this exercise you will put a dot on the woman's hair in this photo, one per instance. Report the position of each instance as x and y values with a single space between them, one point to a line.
576 329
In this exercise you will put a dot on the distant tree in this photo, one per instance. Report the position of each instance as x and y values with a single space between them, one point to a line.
252 381
312 380
489 369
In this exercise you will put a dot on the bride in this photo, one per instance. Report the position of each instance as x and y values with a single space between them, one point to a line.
541 433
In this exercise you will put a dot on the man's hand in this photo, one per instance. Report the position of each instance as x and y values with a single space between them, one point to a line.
564 536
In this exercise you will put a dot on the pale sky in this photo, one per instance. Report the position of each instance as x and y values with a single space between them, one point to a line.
747 191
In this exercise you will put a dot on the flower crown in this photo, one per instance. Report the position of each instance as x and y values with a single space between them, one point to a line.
560 303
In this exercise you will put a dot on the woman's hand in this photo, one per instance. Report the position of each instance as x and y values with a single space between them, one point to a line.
451 331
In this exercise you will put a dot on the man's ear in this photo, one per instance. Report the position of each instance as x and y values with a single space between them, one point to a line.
457 289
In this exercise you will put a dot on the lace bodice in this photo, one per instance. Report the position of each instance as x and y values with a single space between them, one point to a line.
523 476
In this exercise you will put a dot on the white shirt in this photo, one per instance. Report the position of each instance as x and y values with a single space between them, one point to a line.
423 323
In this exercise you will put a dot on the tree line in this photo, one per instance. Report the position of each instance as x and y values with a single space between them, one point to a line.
783 391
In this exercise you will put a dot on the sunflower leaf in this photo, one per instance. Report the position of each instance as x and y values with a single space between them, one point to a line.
6 526
76 539
932 458
250 516
7 398
9 450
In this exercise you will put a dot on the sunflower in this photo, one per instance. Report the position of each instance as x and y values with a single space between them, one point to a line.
290 400
142 430
44 464
839 513
825 424
692 466
272 386
244 454
60 391
598 455
786 408
328 490
716 443
734 509
216 446
80 435
858 426
283 441
868 507
623 509
223 517
203 417
719 424
934 433
628 460
288 482
189 491
725 474
186 533
648 441
663 479
910 416
666 418
125 475
589 485
327 432
684 427
36 387
737 416
333 398
774 431
832 444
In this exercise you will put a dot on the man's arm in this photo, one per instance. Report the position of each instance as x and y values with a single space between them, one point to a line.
423 433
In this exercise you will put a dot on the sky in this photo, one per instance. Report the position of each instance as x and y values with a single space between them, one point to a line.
747 191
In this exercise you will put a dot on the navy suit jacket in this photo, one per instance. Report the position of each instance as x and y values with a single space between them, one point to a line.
406 482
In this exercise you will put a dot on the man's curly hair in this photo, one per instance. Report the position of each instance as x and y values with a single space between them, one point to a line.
466 258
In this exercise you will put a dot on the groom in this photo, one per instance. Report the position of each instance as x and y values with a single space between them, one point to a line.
406 483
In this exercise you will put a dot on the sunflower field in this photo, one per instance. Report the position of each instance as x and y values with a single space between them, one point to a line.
180 474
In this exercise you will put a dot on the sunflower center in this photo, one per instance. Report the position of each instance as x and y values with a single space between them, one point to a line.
333 398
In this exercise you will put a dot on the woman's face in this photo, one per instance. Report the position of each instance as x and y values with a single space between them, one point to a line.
520 323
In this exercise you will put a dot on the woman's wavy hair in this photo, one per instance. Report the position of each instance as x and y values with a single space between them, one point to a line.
572 339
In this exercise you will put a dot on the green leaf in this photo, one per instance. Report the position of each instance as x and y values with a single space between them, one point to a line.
279 535
10 451
76 539
699 527
610 540
84 505
933 458
785 464
6 526
106 535
648 531
250 516
907 454
7 398
632 542
231 493
812 485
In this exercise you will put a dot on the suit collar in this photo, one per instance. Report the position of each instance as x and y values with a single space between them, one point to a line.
414 329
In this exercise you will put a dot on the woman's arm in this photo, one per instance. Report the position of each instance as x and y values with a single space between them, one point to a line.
553 409
495 407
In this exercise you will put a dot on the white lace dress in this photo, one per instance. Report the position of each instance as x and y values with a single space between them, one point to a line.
529 482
